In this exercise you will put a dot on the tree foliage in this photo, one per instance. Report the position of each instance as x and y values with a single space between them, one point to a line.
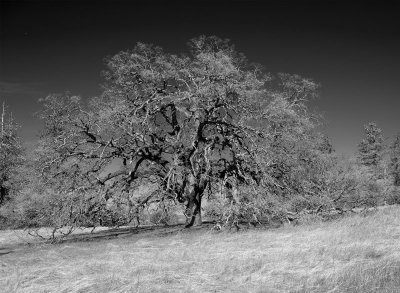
371 147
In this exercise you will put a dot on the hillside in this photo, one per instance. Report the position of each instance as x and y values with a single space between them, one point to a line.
360 253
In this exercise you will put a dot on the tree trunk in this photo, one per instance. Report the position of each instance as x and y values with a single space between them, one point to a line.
231 190
193 211
193 206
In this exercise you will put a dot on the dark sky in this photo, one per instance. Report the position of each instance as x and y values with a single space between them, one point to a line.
351 49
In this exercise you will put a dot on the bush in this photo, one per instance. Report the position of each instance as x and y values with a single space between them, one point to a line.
163 216
251 207
25 211
393 196
299 203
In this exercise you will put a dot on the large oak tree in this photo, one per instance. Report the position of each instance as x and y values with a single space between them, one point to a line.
188 125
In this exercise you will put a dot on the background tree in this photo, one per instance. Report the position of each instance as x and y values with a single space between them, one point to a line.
371 147
10 156
394 163
186 125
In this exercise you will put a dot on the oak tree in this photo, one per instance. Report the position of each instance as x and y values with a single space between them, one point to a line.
187 125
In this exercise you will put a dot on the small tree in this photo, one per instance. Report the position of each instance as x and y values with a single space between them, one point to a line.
10 156
394 163
371 147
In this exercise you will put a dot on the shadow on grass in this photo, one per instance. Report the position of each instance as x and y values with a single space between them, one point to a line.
123 232
113 233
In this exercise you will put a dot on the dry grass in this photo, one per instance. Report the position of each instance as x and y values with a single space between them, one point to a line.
354 254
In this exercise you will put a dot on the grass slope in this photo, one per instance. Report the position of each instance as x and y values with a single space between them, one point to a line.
353 254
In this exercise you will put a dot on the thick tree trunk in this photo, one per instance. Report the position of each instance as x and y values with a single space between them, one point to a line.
193 206
193 211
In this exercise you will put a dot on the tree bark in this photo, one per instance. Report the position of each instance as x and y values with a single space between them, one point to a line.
193 211
193 207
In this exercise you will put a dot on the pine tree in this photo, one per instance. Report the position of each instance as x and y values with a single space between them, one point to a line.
371 147
394 164
10 156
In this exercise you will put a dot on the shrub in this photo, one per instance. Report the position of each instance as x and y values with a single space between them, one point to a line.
393 196
250 207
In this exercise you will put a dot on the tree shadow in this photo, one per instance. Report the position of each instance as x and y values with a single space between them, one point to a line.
113 233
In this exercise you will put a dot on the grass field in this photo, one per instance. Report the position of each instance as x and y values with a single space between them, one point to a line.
354 254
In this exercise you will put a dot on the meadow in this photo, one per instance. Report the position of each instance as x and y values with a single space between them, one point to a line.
357 253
